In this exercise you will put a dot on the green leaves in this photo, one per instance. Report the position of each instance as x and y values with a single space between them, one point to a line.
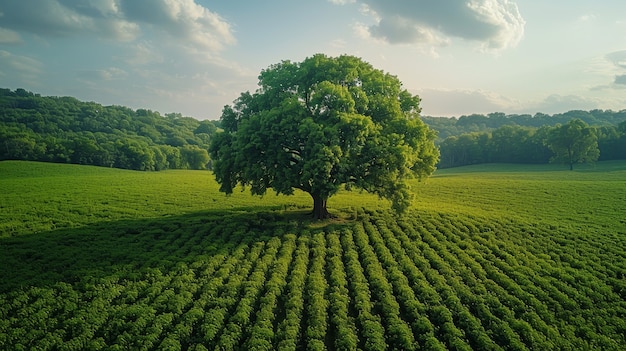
321 124
65 130
573 143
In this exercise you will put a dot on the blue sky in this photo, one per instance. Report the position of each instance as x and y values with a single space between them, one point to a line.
195 56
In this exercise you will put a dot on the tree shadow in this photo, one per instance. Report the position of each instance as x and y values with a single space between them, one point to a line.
126 248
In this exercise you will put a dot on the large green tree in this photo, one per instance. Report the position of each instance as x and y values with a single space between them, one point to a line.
574 142
320 125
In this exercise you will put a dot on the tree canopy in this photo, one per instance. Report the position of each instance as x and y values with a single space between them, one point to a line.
513 143
574 142
320 125
66 130
478 123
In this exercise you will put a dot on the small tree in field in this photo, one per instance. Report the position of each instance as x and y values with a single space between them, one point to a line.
320 125
574 142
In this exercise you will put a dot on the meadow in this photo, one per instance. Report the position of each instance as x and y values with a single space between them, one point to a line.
490 257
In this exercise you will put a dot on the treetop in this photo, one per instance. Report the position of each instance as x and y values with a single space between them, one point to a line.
322 123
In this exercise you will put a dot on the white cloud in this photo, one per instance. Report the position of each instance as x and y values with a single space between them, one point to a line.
19 63
556 103
9 37
338 43
156 36
495 24
342 2
162 45
617 70
120 30
618 58
506 20
587 17
22 69
400 30
621 79
142 53
457 102
49 18
96 76
181 21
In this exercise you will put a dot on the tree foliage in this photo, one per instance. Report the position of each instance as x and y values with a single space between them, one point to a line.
322 124
66 130
573 143
526 145
455 126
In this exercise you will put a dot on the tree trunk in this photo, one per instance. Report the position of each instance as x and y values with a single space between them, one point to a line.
319 207
570 156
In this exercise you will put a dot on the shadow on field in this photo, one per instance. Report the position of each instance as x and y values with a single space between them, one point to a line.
123 249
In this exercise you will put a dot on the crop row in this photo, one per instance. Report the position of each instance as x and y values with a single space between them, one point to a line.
428 281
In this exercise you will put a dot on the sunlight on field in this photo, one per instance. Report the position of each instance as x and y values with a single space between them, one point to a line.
592 196
40 196
489 257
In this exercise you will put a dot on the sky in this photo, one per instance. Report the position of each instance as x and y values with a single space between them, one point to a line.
195 56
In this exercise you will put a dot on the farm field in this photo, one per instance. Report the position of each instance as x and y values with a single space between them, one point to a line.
490 257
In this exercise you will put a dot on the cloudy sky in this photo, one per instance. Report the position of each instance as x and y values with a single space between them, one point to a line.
195 56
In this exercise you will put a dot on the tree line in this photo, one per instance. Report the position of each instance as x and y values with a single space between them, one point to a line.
66 130
451 126
573 141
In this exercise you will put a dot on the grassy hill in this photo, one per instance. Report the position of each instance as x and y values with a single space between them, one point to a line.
494 257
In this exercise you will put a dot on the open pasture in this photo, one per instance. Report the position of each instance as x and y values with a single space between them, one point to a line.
489 257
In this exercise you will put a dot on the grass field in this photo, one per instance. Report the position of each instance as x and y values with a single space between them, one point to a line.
490 257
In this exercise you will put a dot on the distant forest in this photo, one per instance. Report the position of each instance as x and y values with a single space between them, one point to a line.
500 138
66 130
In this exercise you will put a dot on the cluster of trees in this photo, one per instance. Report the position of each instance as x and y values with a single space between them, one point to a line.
66 130
570 143
452 126
336 110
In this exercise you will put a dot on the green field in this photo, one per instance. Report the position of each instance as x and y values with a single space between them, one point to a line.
490 257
